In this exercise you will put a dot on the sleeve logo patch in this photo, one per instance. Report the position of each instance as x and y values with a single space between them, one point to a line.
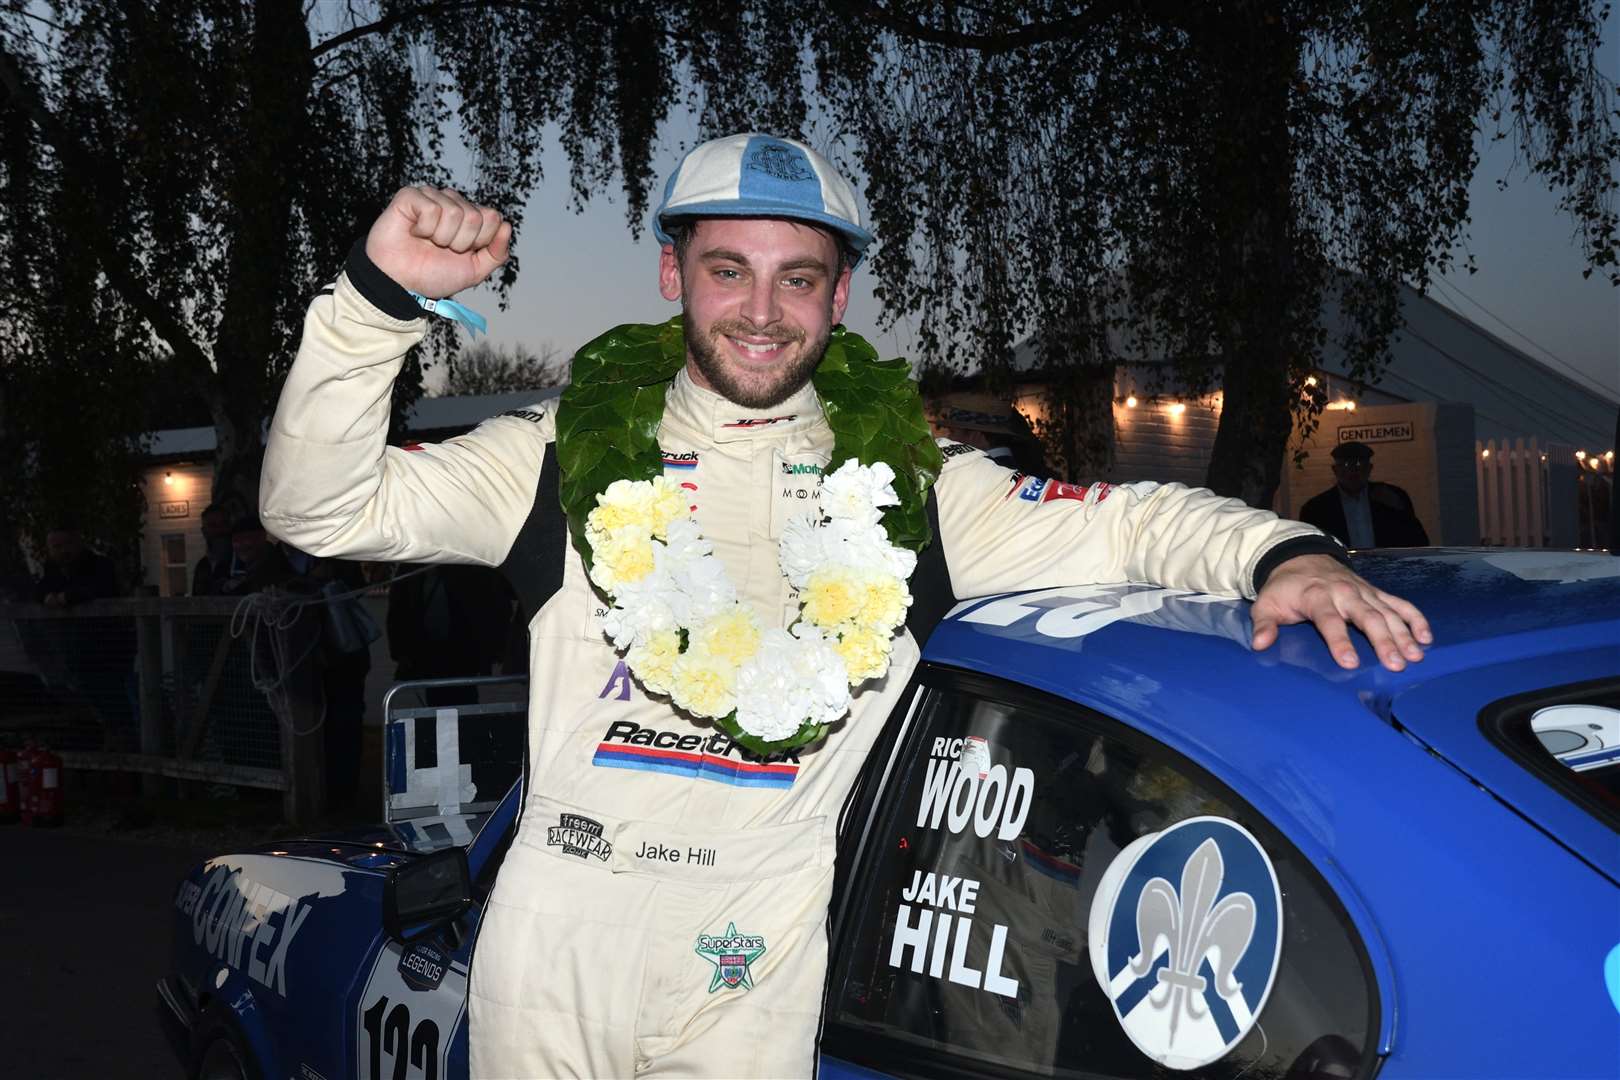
1185 937
1039 489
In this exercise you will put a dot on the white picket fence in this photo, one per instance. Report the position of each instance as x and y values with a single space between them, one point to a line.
1513 493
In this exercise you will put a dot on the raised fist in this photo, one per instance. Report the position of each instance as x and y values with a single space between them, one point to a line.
436 243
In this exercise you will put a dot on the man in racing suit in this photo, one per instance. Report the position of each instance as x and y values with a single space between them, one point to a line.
663 906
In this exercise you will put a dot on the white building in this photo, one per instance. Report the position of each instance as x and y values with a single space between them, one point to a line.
178 479
1492 444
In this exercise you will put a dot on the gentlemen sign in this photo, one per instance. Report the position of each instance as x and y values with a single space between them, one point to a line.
1400 431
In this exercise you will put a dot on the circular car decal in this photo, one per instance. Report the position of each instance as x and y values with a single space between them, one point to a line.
1185 932
1582 737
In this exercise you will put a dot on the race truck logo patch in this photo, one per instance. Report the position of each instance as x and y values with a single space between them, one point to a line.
1185 935
705 756
683 463
579 835
731 954
422 966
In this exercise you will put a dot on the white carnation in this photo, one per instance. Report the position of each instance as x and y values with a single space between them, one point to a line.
788 682
642 608
706 590
856 492
802 550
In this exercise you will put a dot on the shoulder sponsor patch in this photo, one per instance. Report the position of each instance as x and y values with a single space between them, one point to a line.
949 449
1039 489
1185 934
533 416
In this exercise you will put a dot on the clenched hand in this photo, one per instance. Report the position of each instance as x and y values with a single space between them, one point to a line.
436 243
1324 592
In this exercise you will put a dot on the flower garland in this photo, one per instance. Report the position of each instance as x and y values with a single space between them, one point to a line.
675 614
676 617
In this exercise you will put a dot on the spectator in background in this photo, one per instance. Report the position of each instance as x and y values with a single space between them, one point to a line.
246 728
986 422
97 651
213 570
448 621
73 573
345 660
258 563
1360 513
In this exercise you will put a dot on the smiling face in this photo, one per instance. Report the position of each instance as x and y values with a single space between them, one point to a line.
760 297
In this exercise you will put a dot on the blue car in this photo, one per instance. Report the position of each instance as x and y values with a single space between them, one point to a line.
1101 837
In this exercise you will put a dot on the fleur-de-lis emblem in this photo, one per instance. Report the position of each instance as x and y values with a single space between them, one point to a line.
1194 926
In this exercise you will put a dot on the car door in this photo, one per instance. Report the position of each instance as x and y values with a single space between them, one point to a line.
1006 868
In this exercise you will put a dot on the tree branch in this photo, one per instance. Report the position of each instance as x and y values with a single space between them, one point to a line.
103 230
421 11
911 26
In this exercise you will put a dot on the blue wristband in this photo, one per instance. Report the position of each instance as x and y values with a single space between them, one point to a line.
449 309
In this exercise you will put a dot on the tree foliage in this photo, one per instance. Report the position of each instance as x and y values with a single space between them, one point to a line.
1117 177
484 368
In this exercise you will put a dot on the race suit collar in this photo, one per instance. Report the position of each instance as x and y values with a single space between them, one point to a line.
717 419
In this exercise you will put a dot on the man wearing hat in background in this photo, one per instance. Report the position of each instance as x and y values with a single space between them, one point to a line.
1360 513
985 422
662 909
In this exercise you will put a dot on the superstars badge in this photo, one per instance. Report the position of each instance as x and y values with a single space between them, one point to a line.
731 953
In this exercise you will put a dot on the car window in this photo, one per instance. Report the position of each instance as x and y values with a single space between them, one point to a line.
1569 737
971 938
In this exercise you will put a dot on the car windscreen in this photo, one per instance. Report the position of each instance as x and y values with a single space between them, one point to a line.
1569 738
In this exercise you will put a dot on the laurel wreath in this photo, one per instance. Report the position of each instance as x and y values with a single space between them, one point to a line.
608 419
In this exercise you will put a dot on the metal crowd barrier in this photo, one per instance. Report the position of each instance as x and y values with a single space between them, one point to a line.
149 685
451 749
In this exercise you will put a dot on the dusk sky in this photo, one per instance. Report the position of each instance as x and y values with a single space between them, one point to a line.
582 273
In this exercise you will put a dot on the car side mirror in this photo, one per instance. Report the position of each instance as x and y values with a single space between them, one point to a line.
420 896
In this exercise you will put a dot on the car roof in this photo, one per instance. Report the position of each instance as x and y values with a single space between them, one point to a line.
1179 667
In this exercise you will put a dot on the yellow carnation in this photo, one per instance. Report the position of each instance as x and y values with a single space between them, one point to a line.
653 660
704 684
865 651
651 504
668 504
621 556
732 635
831 597
883 606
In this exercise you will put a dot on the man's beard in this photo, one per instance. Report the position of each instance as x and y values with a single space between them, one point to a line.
766 389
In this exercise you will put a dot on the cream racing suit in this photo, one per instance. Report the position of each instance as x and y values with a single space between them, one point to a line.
663 907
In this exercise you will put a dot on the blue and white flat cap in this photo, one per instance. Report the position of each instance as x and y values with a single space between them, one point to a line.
757 175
